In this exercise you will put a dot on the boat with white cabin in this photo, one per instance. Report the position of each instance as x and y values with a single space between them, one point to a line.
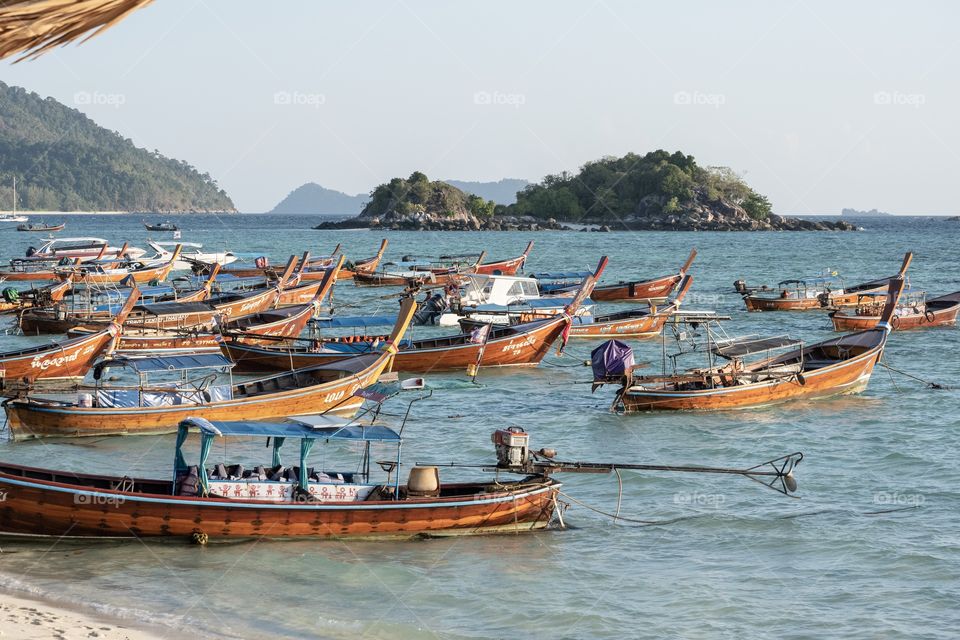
497 299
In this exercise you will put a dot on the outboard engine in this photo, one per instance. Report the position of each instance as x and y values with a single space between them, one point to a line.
512 445
740 286
430 309
31 251
65 262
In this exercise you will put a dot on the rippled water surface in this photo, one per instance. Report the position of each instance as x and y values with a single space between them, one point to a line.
871 549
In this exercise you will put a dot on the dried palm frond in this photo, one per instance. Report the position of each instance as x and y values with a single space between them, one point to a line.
32 27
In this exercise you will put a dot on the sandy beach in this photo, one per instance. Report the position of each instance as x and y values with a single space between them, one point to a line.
35 620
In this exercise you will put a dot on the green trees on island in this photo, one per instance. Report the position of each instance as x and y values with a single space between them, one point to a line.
64 161
417 194
656 183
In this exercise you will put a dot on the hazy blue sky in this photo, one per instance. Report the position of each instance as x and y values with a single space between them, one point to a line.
822 104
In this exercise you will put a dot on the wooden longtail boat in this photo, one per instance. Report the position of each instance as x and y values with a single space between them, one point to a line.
507 267
265 327
838 366
523 345
109 273
176 315
366 265
417 276
295 293
321 389
639 324
271 272
272 500
656 290
34 298
915 314
42 228
822 292
62 362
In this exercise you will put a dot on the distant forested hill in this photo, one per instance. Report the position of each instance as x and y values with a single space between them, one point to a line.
64 161
311 198
502 192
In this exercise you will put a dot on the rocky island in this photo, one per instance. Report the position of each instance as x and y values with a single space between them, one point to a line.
658 191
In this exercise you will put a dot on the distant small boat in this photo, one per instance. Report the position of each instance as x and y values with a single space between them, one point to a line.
41 227
13 216
161 226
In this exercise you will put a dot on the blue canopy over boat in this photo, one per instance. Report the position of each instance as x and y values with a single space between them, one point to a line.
300 427
307 428
561 275
165 363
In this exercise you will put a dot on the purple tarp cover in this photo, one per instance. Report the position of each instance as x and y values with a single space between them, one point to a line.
612 358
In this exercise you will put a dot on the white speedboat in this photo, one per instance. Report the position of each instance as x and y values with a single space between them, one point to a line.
190 255
495 299
82 248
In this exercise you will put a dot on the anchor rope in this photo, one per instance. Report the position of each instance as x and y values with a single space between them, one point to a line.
931 385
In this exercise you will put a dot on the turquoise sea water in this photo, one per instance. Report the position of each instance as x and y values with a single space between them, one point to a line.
741 561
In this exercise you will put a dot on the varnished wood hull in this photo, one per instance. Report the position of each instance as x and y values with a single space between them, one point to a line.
848 376
65 361
526 348
52 322
761 303
301 294
653 290
505 267
639 328
37 419
933 318
793 303
64 509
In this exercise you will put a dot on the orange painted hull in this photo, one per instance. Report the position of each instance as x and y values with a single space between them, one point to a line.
35 504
